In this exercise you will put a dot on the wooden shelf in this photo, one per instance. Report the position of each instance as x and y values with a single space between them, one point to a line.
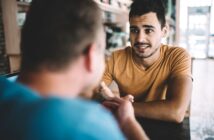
110 8
23 4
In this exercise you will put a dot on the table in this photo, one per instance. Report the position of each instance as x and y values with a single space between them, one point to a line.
162 130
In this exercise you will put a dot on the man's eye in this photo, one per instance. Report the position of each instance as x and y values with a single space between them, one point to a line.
148 31
132 30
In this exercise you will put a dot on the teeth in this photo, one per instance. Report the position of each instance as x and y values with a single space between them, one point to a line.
143 47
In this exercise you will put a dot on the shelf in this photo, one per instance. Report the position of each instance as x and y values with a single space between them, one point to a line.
23 4
110 8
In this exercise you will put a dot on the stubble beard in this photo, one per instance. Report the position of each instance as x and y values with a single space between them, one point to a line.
143 56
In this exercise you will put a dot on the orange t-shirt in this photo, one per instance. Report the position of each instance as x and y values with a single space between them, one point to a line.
150 84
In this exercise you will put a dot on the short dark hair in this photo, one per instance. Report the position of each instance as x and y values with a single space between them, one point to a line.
56 32
141 7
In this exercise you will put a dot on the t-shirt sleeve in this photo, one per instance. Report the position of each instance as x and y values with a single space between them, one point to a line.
181 63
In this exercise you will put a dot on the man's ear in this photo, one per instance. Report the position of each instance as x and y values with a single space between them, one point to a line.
90 57
165 31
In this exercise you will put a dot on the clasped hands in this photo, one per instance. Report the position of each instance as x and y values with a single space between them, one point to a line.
121 107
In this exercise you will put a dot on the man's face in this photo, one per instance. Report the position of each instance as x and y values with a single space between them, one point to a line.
100 57
146 34
97 64
101 53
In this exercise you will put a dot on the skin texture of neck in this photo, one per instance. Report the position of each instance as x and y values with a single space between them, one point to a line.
66 83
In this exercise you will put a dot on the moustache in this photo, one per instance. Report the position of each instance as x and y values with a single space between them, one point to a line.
137 44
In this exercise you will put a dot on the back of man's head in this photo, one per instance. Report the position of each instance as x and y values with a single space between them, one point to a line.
56 32
141 7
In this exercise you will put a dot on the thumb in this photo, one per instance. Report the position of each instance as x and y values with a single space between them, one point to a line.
129 98
106 92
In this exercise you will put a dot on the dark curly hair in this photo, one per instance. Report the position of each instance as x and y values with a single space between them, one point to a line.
141 7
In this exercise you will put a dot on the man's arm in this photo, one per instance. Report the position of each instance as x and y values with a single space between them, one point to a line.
133 130
124 112
174 107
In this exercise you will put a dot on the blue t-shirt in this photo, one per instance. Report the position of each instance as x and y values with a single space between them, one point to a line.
26 115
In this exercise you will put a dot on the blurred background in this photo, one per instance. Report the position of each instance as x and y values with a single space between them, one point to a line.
190 26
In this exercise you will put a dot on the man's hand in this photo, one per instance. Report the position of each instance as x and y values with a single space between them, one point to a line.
106 92
124 112
121 107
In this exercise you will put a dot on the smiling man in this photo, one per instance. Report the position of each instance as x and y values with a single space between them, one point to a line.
157 75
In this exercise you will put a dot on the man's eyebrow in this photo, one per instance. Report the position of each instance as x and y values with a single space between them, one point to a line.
133 26
148 26
145 26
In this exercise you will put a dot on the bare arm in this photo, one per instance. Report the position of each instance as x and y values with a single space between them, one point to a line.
133 131
174 107
124 112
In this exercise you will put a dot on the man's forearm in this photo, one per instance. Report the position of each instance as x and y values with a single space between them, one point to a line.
160 110
133 130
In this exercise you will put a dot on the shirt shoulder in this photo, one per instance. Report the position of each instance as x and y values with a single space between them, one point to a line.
122 52
120 57
27 116
77 118
14 91
178 60
175 52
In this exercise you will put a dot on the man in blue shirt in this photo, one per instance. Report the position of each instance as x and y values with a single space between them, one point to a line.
62 50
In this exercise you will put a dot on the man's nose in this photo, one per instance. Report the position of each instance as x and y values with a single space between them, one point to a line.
141 37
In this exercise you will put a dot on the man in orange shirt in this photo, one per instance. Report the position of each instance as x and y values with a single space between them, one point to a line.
157 75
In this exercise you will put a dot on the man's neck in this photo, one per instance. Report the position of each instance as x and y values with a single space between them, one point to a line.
52 84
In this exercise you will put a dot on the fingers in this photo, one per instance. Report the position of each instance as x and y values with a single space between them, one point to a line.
119 100
129 98
106 92
110 105
108 95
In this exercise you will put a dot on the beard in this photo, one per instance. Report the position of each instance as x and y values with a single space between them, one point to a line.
140 49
